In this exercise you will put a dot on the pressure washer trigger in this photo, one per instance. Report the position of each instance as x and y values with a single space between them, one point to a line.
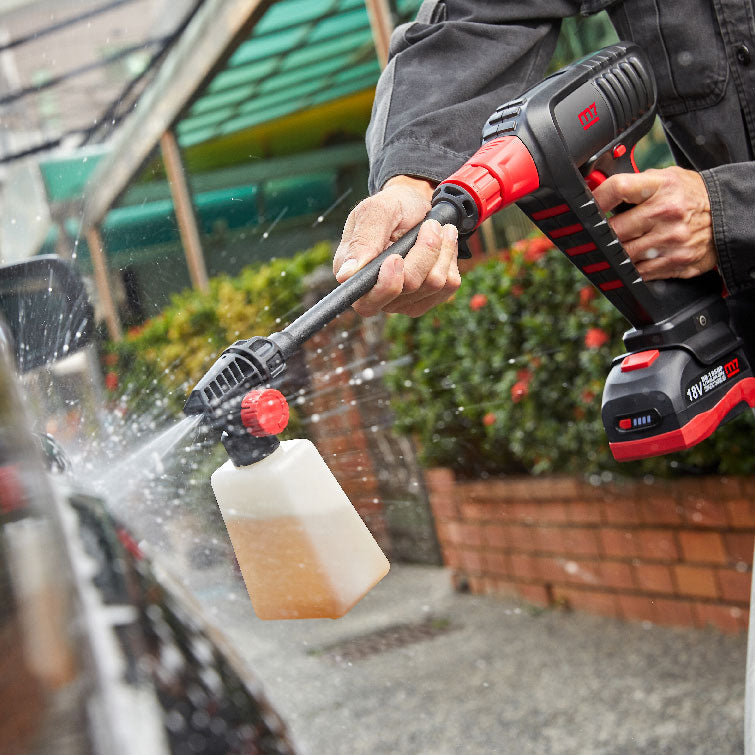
465 252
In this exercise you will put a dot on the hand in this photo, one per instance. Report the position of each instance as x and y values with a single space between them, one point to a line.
669 233
429 273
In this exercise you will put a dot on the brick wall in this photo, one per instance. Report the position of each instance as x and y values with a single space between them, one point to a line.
336 424
674 553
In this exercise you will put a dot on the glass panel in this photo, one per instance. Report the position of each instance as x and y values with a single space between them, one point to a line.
201 121
316 51
242 74
260 49
341 24
218 101
283 14
323 69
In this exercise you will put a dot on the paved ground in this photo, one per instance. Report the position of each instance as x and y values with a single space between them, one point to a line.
469 674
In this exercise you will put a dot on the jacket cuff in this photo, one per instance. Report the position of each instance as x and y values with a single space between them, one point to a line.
413 158
731 206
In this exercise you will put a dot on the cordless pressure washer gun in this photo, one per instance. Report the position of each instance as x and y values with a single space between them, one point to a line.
685 371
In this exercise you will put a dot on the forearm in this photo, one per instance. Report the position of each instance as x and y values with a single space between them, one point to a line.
730 189
448 73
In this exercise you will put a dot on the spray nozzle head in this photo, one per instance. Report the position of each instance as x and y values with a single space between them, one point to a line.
262 415
244 365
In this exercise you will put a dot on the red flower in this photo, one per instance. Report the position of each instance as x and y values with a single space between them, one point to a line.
489 419
595 338
586 295
478 301
587 397
524 375
111 381
537 248
110 360
518 391
517 290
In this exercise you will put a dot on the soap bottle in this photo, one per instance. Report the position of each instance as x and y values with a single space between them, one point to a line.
303 550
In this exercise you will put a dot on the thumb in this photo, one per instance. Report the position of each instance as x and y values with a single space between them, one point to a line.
366 234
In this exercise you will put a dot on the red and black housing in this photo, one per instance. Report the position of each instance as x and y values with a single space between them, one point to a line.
547 151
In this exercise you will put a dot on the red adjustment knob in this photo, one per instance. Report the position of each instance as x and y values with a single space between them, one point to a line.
264 412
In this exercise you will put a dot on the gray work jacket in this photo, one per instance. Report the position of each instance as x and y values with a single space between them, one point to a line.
460 59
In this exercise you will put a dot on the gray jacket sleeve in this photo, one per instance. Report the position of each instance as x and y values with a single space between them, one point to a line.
448 71
730 189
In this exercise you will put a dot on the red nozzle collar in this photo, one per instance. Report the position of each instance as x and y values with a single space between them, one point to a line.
264 412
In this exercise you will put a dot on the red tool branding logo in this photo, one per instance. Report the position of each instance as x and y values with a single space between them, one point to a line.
589 116
731 368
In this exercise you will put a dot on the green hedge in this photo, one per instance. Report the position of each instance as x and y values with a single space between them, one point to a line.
507 377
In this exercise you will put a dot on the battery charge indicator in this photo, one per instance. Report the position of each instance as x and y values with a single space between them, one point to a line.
638 421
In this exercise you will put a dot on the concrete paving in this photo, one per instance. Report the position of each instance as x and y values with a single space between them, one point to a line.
473 674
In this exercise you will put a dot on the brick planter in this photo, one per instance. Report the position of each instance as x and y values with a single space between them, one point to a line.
347 411
676 553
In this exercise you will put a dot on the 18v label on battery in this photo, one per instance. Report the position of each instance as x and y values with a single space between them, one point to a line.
710 380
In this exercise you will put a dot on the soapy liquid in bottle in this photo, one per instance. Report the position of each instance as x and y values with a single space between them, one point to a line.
316 566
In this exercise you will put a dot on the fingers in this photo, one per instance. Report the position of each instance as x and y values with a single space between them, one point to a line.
632 224
425 305
437 279
632 188
656 258
389 284
423 256
668 234
661 268
440 282
428 276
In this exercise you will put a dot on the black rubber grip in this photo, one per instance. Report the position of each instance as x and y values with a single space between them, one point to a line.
342 297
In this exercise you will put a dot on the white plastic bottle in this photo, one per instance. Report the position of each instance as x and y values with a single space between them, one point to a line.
303 550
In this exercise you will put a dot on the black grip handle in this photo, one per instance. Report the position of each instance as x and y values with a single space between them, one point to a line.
342 297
